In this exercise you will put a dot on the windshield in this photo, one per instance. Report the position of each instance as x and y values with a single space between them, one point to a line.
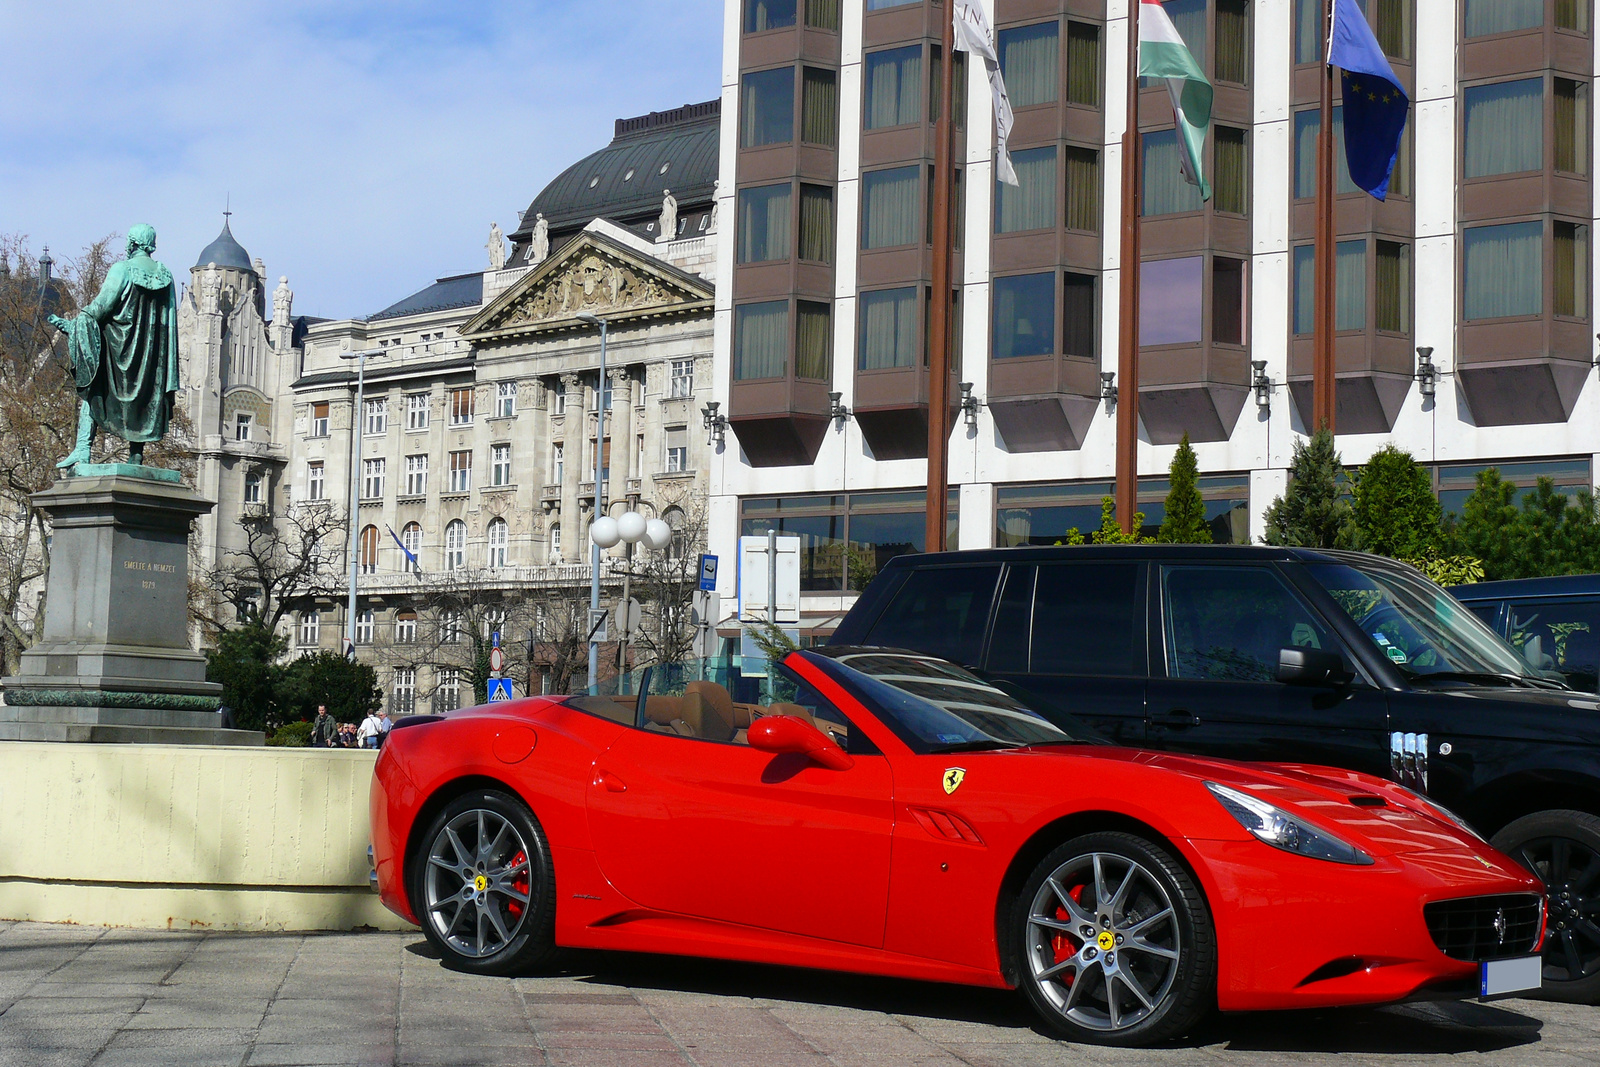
1420 628
935 706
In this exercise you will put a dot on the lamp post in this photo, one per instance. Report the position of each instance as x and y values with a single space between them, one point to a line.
599 505
356 416
630 528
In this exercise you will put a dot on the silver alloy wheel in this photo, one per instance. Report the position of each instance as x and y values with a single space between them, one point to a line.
478 883
1107 958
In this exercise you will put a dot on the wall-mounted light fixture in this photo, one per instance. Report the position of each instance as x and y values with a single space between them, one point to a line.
1427 375
969 406
1261 384
716 425
1108 388
837 411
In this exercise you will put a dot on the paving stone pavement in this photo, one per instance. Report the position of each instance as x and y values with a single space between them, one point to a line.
73 996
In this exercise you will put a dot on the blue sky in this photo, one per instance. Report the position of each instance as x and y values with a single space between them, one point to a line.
365 146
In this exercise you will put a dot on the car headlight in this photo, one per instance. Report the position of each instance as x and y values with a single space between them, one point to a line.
1442 812
1278 828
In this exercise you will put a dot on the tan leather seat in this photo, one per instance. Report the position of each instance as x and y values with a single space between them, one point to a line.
708 710
665 713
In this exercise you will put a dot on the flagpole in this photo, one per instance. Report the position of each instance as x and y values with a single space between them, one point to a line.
1323 383
1127 493
938 508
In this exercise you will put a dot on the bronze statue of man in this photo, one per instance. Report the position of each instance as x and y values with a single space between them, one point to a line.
124 349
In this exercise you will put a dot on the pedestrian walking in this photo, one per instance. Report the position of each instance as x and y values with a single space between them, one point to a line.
371 729
385 724
324 728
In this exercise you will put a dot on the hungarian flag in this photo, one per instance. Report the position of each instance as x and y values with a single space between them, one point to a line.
1162 54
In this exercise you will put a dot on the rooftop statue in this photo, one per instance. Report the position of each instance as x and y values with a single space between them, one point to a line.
124 349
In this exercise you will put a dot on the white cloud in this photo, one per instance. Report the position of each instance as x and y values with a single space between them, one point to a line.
365 147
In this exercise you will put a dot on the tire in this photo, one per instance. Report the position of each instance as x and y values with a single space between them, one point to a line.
483 885
1563 849
1155 978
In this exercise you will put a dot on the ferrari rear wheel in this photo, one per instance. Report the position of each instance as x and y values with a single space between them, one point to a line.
1115 942
485 885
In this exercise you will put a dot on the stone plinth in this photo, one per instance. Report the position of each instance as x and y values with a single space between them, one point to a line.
114 661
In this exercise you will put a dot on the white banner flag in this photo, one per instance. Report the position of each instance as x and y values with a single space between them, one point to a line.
973 35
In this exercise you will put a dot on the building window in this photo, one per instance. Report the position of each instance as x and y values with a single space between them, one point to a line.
761 337
499 542
500 465
1043 513
366 623
319 419
893 87
1227 301
1031 203
888 329
505 399
1391 310
372 471
367 550
1502 270
1572 15
677 449
377 417
447 695
252 487
1503 128
890 203
1030 59
1484 17
316 483
844 539
1078 315
813 340
558 398
417 411
557 463
1350 287
681 383
462 404
1306 124
554 552
1165 190
1082 166
1083 64
767 98
816 223
1171 296
823 14
1570 281
1572 126
460 471
1024 315
763 15
1393 26
416 475
455 545
1232 62
764 223
879 5
1231 191
404 694
819 107
310 629
242 425
405 627
679 544
411 540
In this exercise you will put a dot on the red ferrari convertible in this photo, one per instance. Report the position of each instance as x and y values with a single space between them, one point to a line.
885 812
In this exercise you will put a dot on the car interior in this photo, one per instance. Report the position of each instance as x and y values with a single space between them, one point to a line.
704 710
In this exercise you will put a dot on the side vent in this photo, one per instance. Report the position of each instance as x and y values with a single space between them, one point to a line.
943 824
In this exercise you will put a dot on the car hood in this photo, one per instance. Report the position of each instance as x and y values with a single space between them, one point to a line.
1565 715
1371 813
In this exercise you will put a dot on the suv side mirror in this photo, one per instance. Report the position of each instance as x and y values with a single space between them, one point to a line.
1311 666
786 733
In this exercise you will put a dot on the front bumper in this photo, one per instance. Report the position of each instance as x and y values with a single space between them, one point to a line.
1303 933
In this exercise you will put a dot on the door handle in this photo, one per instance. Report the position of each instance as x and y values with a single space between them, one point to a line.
1179 719
612 783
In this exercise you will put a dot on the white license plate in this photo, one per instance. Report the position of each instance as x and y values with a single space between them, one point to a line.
1499 978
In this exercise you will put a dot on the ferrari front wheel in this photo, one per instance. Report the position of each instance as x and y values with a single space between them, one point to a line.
485 885
1115 942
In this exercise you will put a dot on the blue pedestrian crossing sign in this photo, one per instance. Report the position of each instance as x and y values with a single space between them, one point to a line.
499 690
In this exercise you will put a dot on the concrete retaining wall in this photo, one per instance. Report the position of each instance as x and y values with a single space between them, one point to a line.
180 836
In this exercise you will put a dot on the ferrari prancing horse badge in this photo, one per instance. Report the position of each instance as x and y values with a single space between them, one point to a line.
953 777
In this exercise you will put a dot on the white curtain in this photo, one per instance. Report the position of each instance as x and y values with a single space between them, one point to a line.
1031 204
768 103
1504 127
1350 286
1305 289
889 209
764 223
1306 124
894 87
762 335
1503 270
1501 16
1165 191
888 329
1030 61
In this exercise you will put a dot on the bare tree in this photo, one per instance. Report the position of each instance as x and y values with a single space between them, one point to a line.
282 565
665 585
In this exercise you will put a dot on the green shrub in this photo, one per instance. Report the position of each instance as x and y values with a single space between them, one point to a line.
1185 521
292 735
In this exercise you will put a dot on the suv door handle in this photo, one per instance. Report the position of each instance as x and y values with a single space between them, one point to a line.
1178 719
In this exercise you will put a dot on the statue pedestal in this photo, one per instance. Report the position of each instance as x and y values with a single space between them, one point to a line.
114 662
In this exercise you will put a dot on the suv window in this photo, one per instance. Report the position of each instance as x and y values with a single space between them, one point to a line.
1228 623
1555 635
942 611
1075 618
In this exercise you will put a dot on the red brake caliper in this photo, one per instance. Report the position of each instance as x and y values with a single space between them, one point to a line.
520 884
1063 944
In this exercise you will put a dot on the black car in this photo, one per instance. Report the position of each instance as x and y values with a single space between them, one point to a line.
1553 622
1290 655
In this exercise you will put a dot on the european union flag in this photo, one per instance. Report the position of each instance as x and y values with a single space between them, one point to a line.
1375 106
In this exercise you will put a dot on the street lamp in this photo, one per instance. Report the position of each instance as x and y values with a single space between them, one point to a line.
599 505
630 528
1427 375
356 416
1261 384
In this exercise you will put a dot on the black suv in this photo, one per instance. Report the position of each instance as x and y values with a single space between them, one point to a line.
1553 622
1283 654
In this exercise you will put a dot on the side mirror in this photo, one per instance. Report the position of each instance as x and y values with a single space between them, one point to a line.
1311 666
786 733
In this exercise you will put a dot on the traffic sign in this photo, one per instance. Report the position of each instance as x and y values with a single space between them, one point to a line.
499 690
629 614
497 660
597 625
708 573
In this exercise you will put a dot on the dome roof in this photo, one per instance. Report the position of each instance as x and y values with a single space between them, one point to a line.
674 150
225 252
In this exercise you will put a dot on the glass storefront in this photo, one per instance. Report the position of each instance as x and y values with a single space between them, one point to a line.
845 538
1454 482
1044 514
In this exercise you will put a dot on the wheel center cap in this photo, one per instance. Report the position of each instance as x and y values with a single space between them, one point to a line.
480 883
1106 941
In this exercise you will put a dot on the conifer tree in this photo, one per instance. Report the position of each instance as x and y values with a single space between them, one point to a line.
1314 512
1394 509
1185 521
